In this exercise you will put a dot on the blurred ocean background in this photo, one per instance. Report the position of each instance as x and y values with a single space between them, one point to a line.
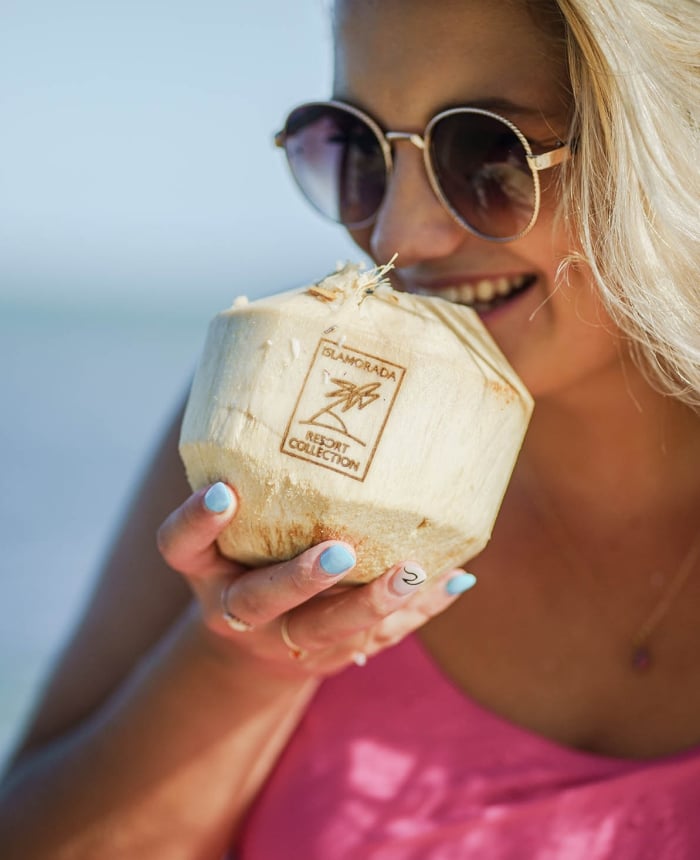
140 193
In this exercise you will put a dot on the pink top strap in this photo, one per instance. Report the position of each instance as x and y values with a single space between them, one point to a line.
393 762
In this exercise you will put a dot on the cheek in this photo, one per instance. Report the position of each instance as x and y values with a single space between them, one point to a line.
549 244
550 189
550 182
582 337
362 239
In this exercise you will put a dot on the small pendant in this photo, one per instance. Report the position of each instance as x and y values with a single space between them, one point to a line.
641 659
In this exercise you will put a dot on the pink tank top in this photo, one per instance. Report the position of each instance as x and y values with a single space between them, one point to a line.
393 762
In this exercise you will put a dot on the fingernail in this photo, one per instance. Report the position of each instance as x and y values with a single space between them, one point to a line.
218 498
460 583
336 559
408 579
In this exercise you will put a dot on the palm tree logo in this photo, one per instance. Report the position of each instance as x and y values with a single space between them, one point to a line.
346 396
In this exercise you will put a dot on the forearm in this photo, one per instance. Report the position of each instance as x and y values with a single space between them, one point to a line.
165 769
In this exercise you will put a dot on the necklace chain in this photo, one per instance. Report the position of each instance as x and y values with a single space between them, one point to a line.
641 659
672 591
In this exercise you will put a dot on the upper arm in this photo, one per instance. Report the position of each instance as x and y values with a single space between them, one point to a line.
135 600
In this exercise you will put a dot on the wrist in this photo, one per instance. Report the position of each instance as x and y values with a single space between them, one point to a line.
238 666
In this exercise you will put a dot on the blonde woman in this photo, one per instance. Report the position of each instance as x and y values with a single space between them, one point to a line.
553 710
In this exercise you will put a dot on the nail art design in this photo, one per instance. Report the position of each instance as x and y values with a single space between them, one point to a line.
410 577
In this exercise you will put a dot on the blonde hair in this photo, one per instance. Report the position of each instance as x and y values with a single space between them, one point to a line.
632 192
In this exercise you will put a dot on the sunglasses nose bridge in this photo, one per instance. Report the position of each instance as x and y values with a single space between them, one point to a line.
415 139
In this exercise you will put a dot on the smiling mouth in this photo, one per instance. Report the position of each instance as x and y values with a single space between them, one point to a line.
484 295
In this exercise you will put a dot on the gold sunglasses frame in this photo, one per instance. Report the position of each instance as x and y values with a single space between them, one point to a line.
536 163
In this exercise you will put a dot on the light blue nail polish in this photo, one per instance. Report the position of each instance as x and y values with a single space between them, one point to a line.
336 559
218 498
460 583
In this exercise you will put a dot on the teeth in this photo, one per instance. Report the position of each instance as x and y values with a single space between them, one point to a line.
485 290
464 294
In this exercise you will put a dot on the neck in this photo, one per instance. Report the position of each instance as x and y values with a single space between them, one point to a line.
603 505
616 450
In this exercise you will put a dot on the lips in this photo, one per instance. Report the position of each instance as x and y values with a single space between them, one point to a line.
482 295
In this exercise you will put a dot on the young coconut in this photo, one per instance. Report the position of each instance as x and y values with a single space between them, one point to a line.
347 410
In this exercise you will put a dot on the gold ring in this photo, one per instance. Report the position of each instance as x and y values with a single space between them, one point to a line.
233 621
295 652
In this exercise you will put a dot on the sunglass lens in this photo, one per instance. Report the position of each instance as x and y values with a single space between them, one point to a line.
337 162
482 170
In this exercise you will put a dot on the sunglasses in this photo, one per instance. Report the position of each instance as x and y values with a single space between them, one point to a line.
480 166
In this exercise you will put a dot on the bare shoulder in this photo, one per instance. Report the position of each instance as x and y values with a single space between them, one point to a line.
136 599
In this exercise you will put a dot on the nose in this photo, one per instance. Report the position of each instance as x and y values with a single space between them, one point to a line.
411 221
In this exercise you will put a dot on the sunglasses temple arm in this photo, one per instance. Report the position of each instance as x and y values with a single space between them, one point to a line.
551 158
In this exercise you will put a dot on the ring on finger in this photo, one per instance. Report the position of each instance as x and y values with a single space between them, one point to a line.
233 621
295 652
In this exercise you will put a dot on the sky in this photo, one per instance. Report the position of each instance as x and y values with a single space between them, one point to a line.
139 183
137 168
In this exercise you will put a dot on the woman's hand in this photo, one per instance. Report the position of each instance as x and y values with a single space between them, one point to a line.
296 615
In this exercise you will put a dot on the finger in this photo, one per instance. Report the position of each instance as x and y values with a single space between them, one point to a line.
349 612
380 614
267 592
443 592
413 614
187 538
